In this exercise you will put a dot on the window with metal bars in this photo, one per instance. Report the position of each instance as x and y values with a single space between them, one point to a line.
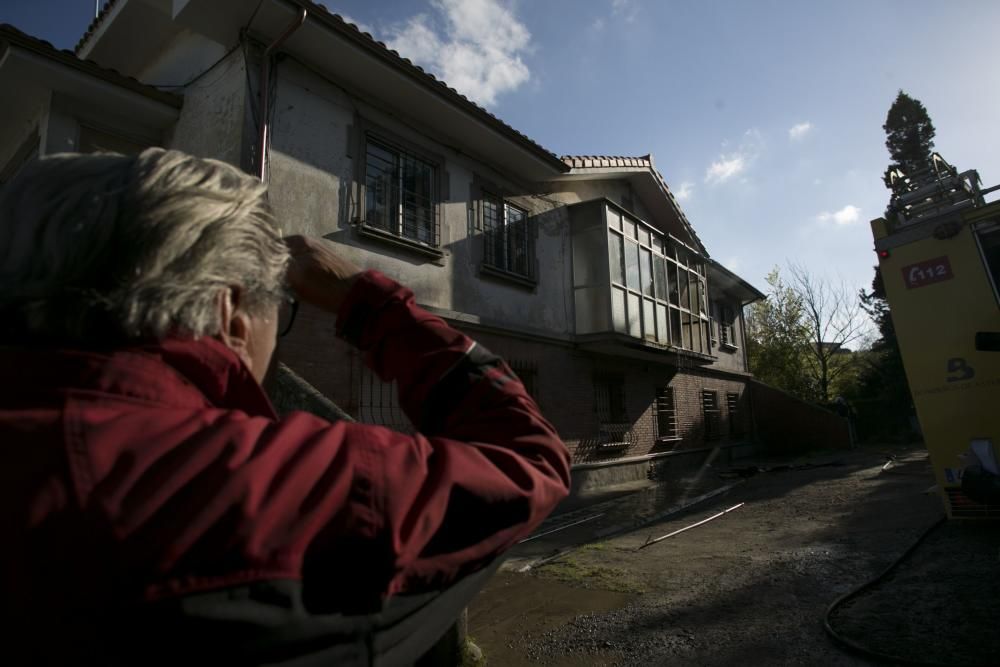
527 372
666 415
733 410
507 243
710 412
726 319
400 193
609 405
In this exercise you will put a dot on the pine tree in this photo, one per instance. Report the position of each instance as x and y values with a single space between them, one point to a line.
909 134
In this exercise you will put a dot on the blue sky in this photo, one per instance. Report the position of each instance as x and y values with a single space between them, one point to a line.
765 116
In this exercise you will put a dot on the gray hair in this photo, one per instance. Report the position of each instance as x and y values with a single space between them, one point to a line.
108 247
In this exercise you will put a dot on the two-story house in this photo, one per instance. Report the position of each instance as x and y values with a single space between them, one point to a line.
582 271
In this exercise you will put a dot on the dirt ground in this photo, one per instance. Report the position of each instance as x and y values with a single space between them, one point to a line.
749 588
940 605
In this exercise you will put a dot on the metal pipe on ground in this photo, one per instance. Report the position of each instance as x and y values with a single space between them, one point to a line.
620 529
556 530
693 525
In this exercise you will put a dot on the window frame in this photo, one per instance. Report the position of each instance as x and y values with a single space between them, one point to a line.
390 142
503 231
727 326
611 435
677 259
733 412
527 373
711 416
981 232
665 395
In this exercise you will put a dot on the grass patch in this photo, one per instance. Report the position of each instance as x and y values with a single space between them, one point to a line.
571 570
472 654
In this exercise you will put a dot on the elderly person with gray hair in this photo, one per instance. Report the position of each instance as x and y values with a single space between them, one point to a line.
154 506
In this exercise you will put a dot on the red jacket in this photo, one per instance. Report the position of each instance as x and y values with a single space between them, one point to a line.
139 475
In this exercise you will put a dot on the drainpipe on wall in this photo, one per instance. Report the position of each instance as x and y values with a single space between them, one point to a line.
265 76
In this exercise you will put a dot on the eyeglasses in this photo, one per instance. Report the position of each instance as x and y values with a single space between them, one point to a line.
286 315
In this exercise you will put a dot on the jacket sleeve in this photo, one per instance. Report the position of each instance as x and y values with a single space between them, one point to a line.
485 467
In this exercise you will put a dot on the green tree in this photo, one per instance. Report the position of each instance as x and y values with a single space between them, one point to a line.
799 338
909 134
882 382
835 321
883 394
778 339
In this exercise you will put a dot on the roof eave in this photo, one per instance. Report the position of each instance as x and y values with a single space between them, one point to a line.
379 50
628 168
751 293
11 37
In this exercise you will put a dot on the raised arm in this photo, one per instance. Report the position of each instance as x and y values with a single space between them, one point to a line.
485 467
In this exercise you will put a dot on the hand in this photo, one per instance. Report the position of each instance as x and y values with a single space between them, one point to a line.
317 274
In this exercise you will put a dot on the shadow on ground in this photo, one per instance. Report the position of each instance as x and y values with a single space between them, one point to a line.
749 588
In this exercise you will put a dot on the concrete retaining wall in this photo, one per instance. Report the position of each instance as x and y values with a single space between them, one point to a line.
785 424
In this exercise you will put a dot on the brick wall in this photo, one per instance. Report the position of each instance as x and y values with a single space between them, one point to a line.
564 389
313 351
565 392
786 424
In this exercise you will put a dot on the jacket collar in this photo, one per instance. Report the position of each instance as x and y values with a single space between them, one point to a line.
174 372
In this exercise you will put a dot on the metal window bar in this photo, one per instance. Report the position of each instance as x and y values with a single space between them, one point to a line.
724 327
516 231
733 410
527 373
726 318
710 411
495 248
506 238
666 415
378 403
399 194
609 406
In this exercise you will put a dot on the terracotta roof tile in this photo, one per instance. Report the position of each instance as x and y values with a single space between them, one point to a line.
98 20
405 64
346 27
16 37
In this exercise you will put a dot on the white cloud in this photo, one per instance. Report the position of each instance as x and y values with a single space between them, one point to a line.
626 9
725 168
799 131
846 216
684 192
475 46
735 163
733 264
363 27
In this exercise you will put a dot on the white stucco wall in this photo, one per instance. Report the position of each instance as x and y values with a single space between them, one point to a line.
312 186
187 55
617 190
211 120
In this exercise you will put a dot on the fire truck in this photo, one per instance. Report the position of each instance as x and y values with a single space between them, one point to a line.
939 255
